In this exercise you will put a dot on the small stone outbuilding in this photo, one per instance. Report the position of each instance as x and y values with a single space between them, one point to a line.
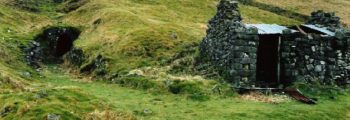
271 55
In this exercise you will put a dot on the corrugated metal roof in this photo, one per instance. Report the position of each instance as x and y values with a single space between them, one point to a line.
320 29
269 28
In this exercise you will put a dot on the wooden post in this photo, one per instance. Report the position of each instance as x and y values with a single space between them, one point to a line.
279 60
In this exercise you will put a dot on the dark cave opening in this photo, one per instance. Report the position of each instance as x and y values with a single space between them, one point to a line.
64 44
55 42
268 61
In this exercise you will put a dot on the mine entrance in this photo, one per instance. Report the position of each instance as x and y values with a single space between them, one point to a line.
64 44
268 68
55 42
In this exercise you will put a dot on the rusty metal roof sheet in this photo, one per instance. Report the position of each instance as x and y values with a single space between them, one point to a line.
269 28
320 29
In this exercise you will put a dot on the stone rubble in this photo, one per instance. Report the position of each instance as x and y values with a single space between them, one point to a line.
52 116
98 66
76 57
324 19
33 54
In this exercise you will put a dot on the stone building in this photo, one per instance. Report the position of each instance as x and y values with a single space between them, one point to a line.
270 55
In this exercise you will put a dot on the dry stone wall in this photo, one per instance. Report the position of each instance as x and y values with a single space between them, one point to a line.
230 46
315 59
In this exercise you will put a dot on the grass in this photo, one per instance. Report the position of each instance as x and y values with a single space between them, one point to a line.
21 99
307 6
171 106
74 98
265 17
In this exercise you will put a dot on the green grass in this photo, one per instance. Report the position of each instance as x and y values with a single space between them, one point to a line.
340 7
75 98
38 99
172 106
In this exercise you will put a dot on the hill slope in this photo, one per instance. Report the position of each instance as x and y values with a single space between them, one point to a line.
138 33
340 7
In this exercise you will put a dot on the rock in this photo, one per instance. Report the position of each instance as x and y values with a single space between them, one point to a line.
52 116
5 111
174 35
101 65
76 57
169 82
98 66
41 94
26 74
147 111
347 68
318 68
309 67
324 19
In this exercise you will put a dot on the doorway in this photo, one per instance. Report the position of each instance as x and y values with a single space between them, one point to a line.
268 65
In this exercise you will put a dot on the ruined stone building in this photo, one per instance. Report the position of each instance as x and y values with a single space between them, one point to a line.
270 55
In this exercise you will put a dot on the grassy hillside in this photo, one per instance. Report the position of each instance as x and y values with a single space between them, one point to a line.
139 33
139 37
131 33
307 6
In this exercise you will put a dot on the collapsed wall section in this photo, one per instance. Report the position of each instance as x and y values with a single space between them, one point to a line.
230 46
325 19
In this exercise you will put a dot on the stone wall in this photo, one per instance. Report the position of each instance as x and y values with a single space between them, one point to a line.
315 59
230 46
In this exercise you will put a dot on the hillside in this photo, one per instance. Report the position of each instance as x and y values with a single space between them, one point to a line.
307 6
150 47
